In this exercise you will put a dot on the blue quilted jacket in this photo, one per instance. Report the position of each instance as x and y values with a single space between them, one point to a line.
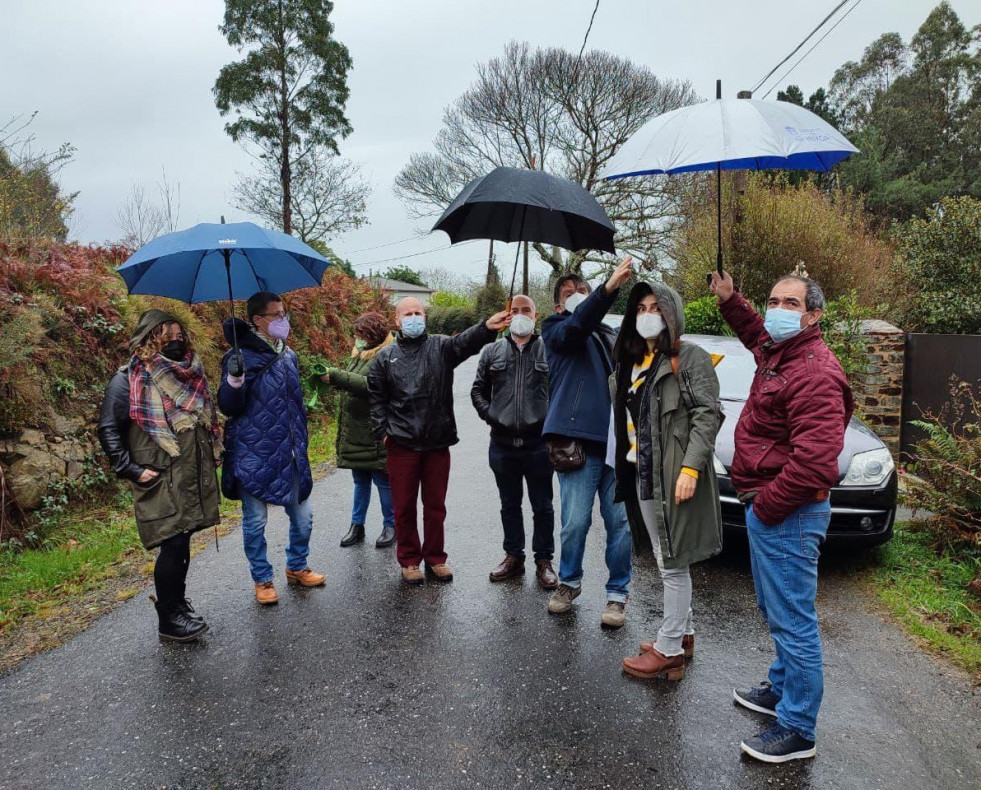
266 432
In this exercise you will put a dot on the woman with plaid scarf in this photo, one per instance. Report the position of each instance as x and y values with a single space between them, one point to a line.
159 427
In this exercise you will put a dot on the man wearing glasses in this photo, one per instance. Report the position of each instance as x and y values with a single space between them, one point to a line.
266 459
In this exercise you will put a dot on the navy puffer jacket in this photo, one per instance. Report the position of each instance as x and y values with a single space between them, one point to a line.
266 432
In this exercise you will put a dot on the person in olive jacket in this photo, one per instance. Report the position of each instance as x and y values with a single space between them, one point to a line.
665 419
159 427
357 449
410 390
510 393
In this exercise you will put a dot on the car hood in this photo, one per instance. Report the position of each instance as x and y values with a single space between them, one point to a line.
859 438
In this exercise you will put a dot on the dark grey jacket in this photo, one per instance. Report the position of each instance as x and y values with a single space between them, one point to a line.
510 391
410 387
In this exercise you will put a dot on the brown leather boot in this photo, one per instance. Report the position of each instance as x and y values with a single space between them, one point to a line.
265 593
441 572
412 575
652 664
687 645
508 569
545 574
305 578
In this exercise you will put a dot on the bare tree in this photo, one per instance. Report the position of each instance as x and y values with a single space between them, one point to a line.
328 195
569 116
141 218
144 217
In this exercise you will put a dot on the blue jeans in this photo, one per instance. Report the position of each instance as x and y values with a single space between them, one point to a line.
362 495
577 491
254 513
784 557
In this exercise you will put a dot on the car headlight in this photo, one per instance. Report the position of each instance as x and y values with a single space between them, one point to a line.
720 468
871 468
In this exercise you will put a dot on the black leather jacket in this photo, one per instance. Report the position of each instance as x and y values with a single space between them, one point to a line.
410 387
114 425
510 391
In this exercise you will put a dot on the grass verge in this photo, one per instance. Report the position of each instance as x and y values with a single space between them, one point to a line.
928 596
91 562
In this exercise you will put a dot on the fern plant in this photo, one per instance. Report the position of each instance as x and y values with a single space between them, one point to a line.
944 489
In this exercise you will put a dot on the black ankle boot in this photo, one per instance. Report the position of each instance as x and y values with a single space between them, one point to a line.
354 535
387 538
185 606
175 625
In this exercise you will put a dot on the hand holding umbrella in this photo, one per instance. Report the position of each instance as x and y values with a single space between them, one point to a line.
499 321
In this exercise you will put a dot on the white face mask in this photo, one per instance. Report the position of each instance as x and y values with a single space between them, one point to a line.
649 325
522 325
574 300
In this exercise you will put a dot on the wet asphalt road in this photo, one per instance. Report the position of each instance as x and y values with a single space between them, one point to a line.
366 683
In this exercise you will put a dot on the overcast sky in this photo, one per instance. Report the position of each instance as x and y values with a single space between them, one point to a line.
128 82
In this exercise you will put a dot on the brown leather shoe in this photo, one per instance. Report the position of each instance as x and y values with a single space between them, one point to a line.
441 572
412 575
652 664
687 645
305 578
265 593
508 569
545 574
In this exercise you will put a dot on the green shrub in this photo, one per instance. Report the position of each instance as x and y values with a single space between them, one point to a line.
841 326
449 299
702 317
450 320
939 264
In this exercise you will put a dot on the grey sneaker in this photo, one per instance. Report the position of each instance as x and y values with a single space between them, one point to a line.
615 614
561 600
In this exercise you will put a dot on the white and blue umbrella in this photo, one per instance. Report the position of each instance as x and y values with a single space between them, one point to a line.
730 134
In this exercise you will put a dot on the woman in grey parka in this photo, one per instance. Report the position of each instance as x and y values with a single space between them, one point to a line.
666 415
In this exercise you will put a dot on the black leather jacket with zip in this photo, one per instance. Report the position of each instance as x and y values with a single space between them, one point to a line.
510 391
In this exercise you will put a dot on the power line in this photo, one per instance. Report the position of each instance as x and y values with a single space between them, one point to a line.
416 254
588 29
816 43
387 244
802 43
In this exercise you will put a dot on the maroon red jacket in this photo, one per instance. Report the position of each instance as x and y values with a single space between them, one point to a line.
792 428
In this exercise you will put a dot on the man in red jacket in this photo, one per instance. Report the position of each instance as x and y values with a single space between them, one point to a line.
788 439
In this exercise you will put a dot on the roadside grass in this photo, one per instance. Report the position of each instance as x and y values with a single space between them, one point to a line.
927 594
90 562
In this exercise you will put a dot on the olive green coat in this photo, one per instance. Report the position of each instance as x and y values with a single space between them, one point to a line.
683 428
357 448
184 496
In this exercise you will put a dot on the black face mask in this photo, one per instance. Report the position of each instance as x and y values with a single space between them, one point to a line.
175 350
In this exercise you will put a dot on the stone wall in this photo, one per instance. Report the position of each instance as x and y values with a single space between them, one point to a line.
36 459
878 389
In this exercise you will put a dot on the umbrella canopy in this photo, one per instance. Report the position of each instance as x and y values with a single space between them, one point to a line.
734 134
190 265
730 134
513 204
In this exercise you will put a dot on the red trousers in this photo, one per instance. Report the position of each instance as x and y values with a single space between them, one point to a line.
407 471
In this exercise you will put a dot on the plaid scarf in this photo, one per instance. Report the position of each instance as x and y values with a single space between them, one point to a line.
167 398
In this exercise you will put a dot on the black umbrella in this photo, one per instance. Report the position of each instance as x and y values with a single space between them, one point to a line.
513 204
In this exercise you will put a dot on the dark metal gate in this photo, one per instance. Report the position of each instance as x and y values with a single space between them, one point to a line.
932 362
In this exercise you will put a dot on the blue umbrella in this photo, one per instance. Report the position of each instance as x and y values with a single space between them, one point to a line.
730 134
211 262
